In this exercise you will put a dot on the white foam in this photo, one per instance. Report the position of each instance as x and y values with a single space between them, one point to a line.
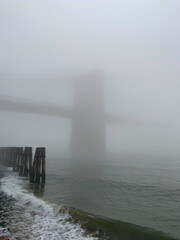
33 218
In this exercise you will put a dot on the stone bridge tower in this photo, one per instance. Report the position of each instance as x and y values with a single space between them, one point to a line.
88 140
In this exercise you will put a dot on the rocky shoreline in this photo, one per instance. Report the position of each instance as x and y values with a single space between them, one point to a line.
5 209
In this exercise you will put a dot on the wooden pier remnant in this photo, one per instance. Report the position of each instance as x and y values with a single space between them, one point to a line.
43 165
2 155
20 159
14 159
39 166
7 159
27 161
7 155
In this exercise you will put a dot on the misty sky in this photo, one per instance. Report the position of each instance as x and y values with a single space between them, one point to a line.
134 42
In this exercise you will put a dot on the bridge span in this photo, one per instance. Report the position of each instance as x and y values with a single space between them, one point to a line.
88 136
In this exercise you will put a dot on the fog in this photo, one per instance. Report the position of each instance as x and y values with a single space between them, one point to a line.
52 55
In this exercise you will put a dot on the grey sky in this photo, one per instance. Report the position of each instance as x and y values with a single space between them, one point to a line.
135 43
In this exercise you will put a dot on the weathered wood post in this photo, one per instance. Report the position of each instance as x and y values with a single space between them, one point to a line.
38 166
10 157
30 159
15 160
18 159
4 155
43 165
0 153
21 162
25 159
34 167
7 156
39 171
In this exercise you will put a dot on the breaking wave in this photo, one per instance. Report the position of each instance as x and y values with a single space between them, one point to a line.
25 216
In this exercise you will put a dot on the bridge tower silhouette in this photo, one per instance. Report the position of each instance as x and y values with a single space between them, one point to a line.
88 139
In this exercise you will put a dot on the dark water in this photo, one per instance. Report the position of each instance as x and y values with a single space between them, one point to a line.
98 201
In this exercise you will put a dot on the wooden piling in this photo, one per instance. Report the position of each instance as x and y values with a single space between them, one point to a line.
25 159
2 154
39 166
7 156
33 170
30 160
21 162
43 165
14 159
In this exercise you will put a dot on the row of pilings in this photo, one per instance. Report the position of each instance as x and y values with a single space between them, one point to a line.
20 159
